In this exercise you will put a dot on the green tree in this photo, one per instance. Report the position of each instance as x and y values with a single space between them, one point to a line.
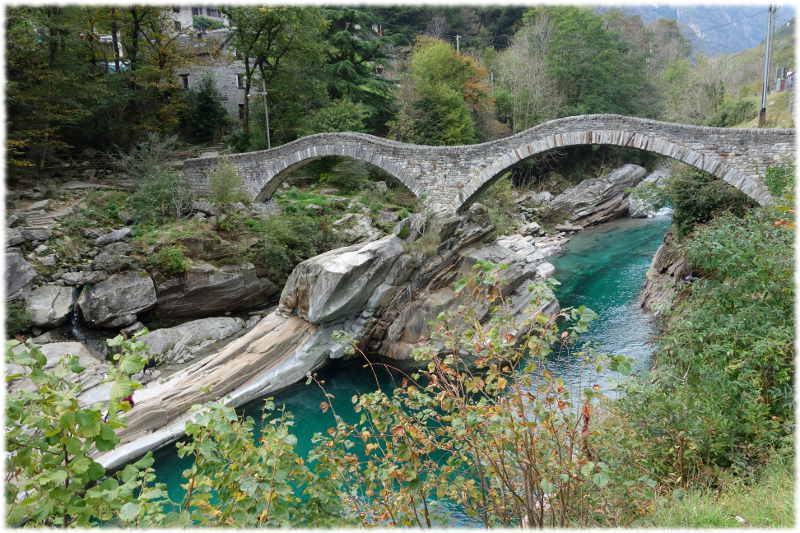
204 116
441 96
268 38
596 70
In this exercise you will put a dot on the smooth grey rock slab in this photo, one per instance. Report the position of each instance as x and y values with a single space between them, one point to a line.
116 301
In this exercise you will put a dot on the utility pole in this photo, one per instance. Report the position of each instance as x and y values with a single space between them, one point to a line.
458 44
263 93
762 114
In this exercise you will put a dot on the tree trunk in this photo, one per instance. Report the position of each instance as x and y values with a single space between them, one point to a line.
114 38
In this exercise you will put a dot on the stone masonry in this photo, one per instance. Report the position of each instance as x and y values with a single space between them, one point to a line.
449 178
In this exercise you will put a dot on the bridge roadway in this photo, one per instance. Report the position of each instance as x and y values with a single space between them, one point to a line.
449 178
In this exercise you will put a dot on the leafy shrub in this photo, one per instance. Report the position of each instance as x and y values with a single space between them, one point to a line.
338 115
18 319
51 439
288 239
697 197
722 391
169 260
780 179
160 195
733 112
226 184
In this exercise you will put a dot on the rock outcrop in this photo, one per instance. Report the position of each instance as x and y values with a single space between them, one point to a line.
183 343
116 301
667 271
206 290
600 199
337 284
355 227
380 294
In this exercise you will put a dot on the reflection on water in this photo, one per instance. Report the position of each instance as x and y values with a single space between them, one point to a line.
602 268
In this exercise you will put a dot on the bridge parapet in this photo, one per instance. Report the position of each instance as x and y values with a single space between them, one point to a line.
450 177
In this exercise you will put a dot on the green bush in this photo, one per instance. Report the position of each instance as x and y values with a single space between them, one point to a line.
780 179
499 200
18 319
169 260
226 184
288 239
733 112
697 197
722 392
160 195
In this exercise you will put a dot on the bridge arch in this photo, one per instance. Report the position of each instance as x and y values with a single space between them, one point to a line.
301 157
714 165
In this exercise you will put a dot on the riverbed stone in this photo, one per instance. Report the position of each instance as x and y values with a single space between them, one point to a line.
114 236
19 274
83 277
600 199
182 343
116 301
355 227
205 290
95 371
50 305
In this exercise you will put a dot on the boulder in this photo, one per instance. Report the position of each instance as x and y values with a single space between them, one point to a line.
50 305
183 343
36 234
14 237
114 236
116 301
205 207
113 257
206 290
19 274
95 370
337 284
83 277
354 228
600 199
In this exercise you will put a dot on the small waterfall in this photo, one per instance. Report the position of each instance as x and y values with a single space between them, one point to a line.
94 339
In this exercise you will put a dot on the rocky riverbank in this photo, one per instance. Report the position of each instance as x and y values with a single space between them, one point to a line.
382 292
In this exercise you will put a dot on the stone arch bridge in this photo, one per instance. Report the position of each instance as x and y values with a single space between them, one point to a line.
449 178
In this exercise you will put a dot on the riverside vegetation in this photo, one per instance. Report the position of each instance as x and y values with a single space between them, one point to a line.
479 426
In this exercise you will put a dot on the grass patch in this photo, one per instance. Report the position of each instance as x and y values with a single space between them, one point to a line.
769 502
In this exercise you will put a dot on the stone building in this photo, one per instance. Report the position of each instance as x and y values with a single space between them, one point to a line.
184 16
211 56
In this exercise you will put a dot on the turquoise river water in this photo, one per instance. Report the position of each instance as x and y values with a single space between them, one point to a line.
602 268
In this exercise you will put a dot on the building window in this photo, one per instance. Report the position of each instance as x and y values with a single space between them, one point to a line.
177 26
240 81
185 80
197 11
212 12
241 111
